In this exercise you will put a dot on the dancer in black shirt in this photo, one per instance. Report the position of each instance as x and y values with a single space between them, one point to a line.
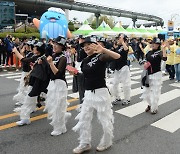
56 103
80 76
122 72
38 83
96 96
154 57
26 51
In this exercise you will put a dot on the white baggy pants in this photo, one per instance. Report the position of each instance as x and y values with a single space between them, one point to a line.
122 76
152 93
100 101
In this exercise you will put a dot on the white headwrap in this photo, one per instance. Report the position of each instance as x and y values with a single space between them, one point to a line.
58 10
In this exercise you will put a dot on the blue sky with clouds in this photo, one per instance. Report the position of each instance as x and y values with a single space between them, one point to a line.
162 8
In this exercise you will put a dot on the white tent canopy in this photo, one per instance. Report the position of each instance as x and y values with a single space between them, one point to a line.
144 31
85 27
132 31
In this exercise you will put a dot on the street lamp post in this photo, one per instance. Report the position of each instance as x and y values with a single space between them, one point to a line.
173 16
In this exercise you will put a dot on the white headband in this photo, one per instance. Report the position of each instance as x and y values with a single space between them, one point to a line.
58 10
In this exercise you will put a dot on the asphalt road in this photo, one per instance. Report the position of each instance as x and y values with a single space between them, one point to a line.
135 132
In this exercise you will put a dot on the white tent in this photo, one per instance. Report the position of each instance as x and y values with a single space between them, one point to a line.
145 33
85 29
119 29
132 31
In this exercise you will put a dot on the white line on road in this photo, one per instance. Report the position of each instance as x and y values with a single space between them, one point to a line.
164 78
175 85
169 123
69 88
13 77
10 74
139 108
133 69
136 77
74 95
136 72
69 81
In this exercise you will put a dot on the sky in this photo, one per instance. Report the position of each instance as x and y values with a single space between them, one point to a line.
162 8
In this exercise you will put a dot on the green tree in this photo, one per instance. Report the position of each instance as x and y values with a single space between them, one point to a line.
71 26
108 19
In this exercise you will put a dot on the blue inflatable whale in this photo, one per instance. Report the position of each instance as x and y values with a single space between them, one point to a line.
52 24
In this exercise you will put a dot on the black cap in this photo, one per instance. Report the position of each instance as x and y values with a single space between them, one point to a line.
40 47
38 44
81 37
89 39
156 40
102 39
60 40
125 36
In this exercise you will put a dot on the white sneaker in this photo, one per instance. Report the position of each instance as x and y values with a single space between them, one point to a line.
18 104
126 102
23 122
56 132
82 148
102 148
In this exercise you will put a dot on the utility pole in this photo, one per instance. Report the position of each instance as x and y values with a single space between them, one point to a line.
134 21
97 15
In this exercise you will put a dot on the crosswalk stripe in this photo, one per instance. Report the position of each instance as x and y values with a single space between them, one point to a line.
74 95
10 74
69 77
13 77
136 77
136 72
69 81
169 123
175 85
139 108
164 78
134 82
69 88
134 92
135 68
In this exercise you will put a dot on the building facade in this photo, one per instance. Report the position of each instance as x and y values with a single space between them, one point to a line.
7 14
9 9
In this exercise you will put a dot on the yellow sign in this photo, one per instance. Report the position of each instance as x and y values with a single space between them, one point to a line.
170 23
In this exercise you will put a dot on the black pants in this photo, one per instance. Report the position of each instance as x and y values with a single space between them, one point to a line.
81 89
2 57
140 55
38 86
171 71
9 55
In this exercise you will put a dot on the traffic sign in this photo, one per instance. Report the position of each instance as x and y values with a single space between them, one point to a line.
170 25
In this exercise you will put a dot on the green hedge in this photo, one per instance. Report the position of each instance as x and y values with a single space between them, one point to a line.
20 35
28 30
